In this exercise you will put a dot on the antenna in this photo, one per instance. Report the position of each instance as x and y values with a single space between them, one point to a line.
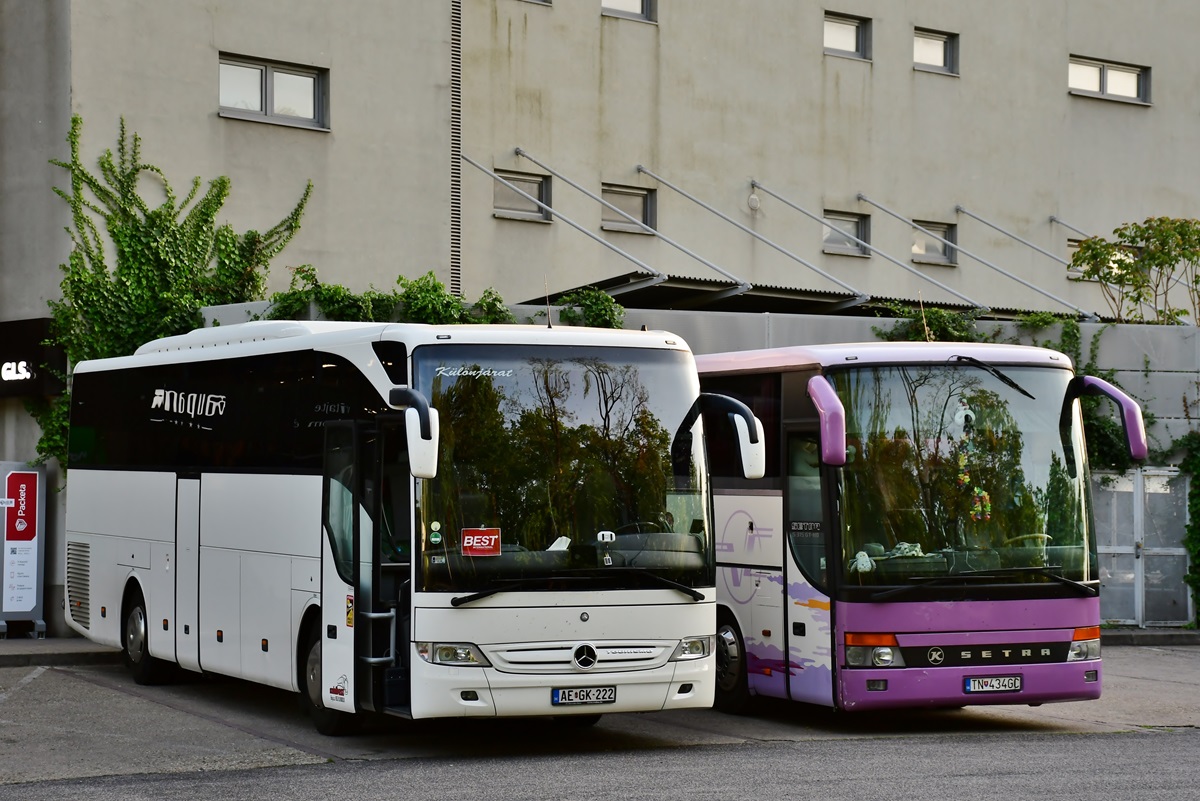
546 289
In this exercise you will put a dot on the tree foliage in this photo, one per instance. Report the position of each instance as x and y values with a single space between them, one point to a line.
1148 272
169 260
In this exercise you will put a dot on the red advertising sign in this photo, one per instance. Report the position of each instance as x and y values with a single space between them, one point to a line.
481 542
20 514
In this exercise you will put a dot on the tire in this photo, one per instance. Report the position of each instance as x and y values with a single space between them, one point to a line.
327 721
135 643
733 693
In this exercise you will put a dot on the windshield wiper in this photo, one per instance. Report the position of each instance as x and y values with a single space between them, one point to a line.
988 368
977 575
509 585
653 578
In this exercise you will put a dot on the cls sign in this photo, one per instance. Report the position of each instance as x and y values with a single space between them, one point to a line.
15 371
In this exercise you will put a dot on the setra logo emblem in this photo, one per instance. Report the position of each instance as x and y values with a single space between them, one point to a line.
936 656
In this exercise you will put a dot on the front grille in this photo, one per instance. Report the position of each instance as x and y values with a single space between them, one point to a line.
79 583
556 657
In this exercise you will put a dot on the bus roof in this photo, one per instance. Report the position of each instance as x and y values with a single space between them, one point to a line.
275 336
800 357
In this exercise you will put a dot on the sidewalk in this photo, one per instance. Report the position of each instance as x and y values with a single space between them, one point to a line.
20 651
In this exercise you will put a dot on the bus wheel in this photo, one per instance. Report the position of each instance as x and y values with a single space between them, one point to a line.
135 643
327 721
733 695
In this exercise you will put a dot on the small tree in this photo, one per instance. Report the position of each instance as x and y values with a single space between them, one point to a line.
1145 269
170 260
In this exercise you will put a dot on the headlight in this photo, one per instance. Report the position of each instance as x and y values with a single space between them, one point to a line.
873 656
461 654
694 648
1084 649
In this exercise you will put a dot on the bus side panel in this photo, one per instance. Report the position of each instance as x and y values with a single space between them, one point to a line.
810 643
220 635
119 514
250 527
750 582
266 619
187 574
159 584
277 514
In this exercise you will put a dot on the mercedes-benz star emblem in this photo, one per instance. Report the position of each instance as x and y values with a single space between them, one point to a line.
936 656
585 656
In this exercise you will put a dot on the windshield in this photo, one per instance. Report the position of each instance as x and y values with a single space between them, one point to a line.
555 470
960 469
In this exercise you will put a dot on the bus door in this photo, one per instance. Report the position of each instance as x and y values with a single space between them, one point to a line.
368 520
808 618
340 570
387 607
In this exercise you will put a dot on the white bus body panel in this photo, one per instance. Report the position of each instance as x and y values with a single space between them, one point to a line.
524 672
128 520
251 529
187 574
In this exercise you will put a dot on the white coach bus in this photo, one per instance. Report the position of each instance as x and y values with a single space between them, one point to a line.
413 520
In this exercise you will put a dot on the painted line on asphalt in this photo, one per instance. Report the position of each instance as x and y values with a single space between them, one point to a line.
36 672
138 693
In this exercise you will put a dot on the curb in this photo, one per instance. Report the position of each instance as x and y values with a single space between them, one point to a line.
55 652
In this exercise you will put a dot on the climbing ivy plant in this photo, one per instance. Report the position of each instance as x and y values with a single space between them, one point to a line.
416 300
168 261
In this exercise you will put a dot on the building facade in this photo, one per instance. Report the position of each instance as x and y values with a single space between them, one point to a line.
759 156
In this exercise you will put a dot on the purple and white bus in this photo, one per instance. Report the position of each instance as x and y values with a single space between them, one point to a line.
922 536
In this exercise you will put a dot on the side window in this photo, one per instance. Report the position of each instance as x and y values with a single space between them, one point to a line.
804 514
339 479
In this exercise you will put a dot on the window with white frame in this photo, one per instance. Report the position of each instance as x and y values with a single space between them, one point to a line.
847 36
266 91
1095 78
514 196
934 51
842 232
636 202
934 244
636 9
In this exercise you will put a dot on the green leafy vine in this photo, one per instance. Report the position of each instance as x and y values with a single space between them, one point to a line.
169 260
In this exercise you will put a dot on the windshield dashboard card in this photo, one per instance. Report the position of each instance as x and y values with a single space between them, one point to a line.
570 696
992 684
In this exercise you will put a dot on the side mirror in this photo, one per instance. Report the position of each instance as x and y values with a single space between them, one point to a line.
1131 412
421 427
753 447
832 415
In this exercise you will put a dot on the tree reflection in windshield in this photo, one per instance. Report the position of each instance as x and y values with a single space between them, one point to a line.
954 470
